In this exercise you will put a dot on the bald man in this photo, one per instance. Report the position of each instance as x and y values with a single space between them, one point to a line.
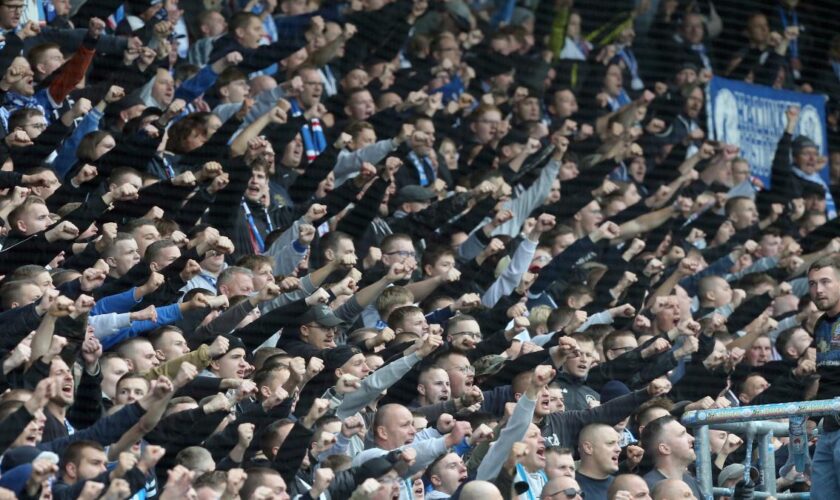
480 490
673 489
628 486
599 451
563 484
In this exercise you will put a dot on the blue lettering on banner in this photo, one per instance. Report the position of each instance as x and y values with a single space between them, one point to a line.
753 118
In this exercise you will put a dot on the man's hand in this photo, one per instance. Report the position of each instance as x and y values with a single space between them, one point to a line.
347 383
125 463
460 431
317 410
517 454
46 390
658 346
319 296
314 213
186 373
245 433
29 30
792 117
690 346
622 311
179 484
90 491
61 306
114 94
430 344
81 108
147 314
659 387
545 223
161 388
543 375
688 266
805 367
20 355
62 231
42 470
235 480
153 283
278 396
190 271
217 403
607 230
91 352
92 279
42 179
96 27
306 233
82 305
482 434
323 478
185 179
219 346
175 108
466 302
352 425
150 457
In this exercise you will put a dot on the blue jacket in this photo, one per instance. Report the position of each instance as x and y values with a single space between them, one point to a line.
166 315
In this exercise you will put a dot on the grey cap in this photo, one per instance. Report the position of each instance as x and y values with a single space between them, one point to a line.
322 315
801 142
414 192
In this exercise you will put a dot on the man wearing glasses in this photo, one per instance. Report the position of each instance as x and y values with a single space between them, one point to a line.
562 488
10 14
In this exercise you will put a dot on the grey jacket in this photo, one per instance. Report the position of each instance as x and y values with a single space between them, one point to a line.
349 162
528 200
374 384
514 431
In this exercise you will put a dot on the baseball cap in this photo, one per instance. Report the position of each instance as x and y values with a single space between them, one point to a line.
336 357
489 365
234 343
322 315
801 142
514 136
129 101
24 455
414 193
613 389
373 469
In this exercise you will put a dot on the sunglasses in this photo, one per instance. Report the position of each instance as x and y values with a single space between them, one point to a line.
569 492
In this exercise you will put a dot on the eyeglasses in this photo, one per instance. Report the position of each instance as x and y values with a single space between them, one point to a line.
402 253
324 328
14 8
569 492
389 480
466 370
472 335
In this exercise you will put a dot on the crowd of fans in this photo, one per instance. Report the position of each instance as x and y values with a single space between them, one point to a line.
407 249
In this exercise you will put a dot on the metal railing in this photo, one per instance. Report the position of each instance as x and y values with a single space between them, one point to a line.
752 422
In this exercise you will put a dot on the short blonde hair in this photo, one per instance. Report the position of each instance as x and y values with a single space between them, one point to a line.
391 298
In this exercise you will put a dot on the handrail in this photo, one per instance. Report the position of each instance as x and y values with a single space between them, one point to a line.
729 492
751 421
761 412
